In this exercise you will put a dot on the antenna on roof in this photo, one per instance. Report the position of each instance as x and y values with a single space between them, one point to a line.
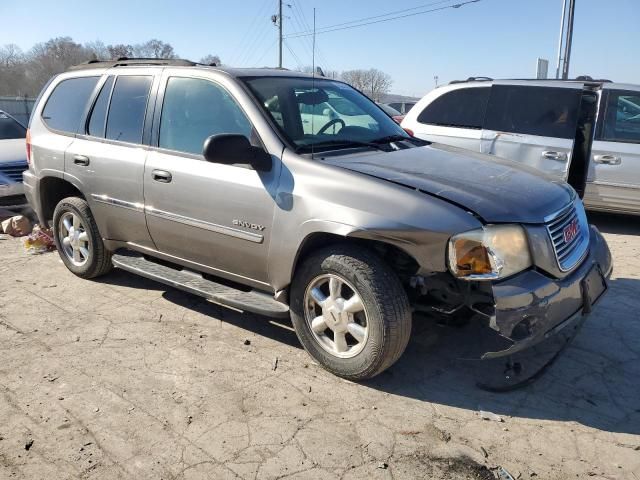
313 73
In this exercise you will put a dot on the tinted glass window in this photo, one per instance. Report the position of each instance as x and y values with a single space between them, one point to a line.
194 109
9 128
462 108
543 111
622 117
127 108
67 103
98 119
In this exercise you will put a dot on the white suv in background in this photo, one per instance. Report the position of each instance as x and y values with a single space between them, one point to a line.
584 132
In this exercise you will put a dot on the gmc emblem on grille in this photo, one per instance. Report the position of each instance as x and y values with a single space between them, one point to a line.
570 231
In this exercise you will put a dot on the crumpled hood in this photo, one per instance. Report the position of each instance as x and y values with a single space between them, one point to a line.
497 190
14 150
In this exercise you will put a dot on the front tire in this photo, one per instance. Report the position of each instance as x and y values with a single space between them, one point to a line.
77 239
350 311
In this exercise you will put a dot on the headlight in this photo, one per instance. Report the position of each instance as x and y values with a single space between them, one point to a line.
489 253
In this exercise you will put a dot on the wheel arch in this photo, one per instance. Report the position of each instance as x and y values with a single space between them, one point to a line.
52 190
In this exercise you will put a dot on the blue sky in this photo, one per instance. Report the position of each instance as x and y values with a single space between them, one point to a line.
497 38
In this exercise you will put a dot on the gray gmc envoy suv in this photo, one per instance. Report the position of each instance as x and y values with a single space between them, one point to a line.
286 194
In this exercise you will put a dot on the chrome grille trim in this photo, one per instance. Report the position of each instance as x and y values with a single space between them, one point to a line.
568 255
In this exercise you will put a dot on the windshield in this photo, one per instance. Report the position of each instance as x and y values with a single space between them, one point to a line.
323 113
10 128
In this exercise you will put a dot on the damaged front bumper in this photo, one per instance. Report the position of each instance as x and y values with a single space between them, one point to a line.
533 307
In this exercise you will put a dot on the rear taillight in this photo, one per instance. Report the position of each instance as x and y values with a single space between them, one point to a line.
409 131
28 139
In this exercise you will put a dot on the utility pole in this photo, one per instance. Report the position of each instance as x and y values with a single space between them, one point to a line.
567 47
566 39
280 33
561 39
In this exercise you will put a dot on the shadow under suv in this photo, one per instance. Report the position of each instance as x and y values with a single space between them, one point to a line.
232 185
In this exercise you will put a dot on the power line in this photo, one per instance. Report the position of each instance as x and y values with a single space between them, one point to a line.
332 29
293 54
266 51
419 7
305 26
242 44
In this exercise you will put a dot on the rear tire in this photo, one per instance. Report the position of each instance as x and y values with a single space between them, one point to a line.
350 311
77 239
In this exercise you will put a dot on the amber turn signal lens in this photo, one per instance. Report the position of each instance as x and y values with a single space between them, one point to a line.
472 258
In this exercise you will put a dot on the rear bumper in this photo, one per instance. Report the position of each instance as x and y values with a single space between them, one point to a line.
532 307
31 192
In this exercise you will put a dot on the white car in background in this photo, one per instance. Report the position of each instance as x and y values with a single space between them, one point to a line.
583 131
13 161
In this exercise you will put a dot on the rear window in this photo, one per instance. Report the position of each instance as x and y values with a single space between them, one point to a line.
10 128
67 103
127 109
542 111
463 108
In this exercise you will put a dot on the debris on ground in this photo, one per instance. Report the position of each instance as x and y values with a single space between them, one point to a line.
275 364
16 226
383 465
29 444
40 240
485 454
503 474
247 341
490 416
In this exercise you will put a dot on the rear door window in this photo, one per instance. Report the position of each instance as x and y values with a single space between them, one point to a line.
127 109
98 120
463 108
622 117
67 103
542 111
10 129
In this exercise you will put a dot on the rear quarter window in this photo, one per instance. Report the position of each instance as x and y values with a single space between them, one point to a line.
462 108
67 103
542 111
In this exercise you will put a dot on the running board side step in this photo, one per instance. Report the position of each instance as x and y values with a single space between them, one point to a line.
192 282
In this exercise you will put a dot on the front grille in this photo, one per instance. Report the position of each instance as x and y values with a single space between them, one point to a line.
569 232
13 171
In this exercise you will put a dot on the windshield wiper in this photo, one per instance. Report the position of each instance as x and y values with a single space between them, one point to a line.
391 139
344 143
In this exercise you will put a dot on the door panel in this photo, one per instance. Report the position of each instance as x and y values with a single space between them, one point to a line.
458 137
614 173
112 184
551 155
216 215
614 177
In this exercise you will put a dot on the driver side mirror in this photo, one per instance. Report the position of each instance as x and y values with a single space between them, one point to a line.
233 149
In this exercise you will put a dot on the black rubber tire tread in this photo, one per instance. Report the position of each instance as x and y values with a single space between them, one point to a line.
385 299
100 261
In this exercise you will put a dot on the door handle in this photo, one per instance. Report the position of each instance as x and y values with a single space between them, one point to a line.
551 155
81 160
161 176
607 159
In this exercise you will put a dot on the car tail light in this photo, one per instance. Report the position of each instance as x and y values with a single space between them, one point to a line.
409 131
28 140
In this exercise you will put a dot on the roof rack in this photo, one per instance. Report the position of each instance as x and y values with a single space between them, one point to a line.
472 79
582 78
125 61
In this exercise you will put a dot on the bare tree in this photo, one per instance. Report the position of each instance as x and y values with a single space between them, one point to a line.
372 82
154 48
209 59
120 50
99 50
